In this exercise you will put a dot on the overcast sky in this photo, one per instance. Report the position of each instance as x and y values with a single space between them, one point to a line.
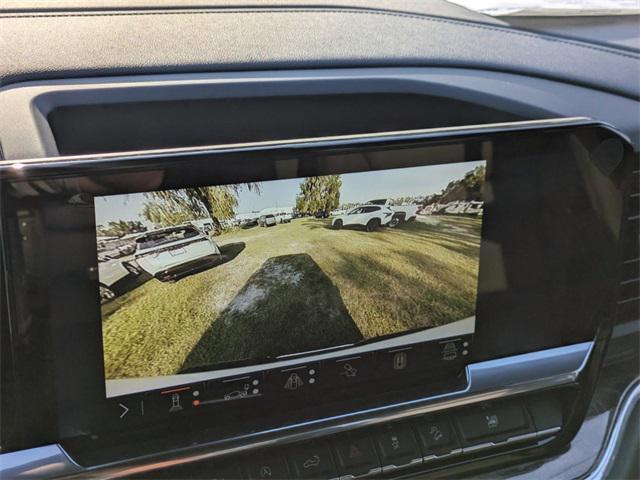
356 188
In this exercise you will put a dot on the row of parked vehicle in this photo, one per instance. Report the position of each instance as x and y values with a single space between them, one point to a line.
170 252
271 219
457 207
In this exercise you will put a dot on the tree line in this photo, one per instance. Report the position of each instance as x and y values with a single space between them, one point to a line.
120 228
219 203
468 188
172 207
319 194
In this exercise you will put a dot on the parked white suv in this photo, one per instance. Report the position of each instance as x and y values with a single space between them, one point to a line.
111 271
368 216
172 252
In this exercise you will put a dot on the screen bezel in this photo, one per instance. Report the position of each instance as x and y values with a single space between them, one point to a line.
589 132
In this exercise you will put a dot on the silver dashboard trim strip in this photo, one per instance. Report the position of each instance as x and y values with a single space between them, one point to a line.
616 431
49 461
487 380
17 169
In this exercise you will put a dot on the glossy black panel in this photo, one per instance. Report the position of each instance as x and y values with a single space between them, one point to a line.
550 236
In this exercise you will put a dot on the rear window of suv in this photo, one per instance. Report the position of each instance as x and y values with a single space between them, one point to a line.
156 239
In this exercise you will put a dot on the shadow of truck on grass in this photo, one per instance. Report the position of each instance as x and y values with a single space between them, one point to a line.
289 305
227 253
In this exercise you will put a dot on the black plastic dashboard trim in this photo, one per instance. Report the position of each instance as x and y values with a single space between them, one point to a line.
26 133
518 370
489 380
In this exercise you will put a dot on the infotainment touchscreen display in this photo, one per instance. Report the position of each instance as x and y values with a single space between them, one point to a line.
205 279
192 289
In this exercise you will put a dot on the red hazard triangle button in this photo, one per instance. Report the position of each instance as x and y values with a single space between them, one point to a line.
357 456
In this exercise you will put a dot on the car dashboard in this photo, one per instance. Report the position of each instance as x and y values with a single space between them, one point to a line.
116 119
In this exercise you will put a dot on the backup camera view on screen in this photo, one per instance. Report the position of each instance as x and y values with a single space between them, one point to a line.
205 278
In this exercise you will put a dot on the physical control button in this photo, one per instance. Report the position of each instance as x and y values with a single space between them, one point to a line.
349 370
216 471
296 379
173 401
494 423
453 349
398 361
228 389
265 467
227 470
169 403
356 455
436 436
397 446
312 461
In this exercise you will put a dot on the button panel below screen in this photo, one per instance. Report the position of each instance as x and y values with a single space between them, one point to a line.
425 439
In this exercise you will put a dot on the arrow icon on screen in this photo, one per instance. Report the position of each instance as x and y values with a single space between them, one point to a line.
125 410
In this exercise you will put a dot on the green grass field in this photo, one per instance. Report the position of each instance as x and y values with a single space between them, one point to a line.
296 287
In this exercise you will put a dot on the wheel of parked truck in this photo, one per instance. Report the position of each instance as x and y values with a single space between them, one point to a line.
373 224
411 219
106 293
133 270
394 222
337 224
